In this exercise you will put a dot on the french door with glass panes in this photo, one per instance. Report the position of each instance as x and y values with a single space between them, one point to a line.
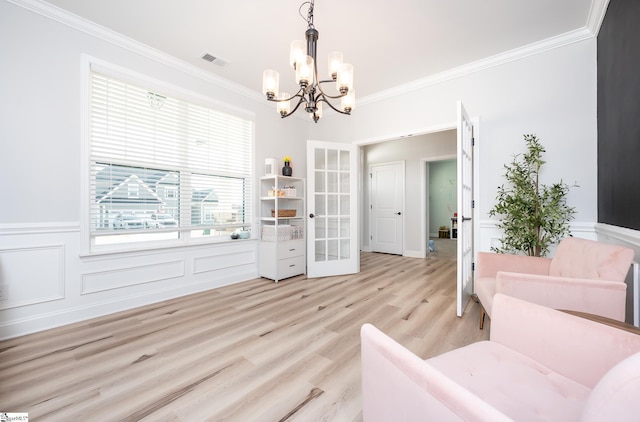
332 221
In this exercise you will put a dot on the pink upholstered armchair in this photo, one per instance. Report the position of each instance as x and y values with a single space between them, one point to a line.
584 275
540 364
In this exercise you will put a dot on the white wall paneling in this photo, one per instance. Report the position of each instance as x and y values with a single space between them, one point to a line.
124 277
31 275
50 284
231 260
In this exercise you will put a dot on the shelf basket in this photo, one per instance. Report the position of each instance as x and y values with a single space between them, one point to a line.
284 213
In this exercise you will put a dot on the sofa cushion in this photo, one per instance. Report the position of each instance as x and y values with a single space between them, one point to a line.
616 397
514 384
581 258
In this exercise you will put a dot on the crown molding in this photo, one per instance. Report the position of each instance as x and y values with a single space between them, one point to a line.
91 28
483 64
596 15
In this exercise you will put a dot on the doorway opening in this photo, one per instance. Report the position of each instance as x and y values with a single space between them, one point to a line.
414 152
441 205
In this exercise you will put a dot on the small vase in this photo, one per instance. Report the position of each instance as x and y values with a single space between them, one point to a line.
287 170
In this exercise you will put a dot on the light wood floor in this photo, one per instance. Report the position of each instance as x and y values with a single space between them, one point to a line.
254 351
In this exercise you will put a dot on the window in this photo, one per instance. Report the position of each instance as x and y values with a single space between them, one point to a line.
162 168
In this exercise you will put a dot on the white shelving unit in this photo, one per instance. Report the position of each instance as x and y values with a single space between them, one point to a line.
282 227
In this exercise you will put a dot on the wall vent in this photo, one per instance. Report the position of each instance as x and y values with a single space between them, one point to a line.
213 59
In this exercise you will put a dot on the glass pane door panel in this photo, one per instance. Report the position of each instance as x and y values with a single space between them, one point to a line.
332 182
344 182
321 250
344 205
321 205
345 227
321 227
320 163
344 160
332 159
332 205
332 250
319 181
332 228
344 249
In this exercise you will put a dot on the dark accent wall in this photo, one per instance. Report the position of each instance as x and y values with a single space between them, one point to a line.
619 115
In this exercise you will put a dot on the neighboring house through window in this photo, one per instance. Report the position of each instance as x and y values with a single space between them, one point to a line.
162 167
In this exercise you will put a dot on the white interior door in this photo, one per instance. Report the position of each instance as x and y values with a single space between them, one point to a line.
332 220
387 208
465 210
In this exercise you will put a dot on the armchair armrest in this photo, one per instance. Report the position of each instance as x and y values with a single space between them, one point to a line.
599 297
490 263
577 348
398 385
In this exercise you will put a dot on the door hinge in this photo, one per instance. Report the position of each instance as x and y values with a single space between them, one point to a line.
473 203
473 141
473 266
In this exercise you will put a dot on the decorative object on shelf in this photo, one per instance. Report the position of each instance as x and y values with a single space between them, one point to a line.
303 60
287 170
533 216
270 166
284 213
289 191
241 234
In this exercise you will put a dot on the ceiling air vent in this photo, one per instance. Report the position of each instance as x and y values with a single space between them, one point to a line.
213 59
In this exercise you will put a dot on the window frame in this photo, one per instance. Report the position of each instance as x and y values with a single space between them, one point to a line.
184 234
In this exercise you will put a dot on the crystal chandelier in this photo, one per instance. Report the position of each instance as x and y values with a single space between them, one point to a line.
311 93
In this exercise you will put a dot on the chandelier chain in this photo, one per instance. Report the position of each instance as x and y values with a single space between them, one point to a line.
309 18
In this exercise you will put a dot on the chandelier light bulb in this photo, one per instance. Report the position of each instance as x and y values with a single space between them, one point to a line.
297 52
344 82
283 105
348 102
304 71
270 82
335 64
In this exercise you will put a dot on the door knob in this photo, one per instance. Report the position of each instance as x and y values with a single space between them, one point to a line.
311 215
398 213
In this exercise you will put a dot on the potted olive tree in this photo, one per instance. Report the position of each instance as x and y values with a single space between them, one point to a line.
533 216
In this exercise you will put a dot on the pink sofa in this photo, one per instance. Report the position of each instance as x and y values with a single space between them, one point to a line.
540 364
584 275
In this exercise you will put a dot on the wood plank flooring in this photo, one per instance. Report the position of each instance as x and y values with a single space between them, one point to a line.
253 351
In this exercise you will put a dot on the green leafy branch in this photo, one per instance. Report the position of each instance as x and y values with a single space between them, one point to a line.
533 216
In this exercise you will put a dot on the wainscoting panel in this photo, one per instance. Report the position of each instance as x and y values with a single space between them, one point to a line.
50 282
131 276
204 264
31 275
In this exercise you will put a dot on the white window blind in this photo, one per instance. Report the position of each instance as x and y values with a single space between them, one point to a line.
164 165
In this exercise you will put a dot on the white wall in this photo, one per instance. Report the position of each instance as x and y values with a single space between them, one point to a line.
552 94
47 278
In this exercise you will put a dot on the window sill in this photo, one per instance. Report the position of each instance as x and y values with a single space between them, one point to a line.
158 248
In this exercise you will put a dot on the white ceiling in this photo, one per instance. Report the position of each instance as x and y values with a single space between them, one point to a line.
390 43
